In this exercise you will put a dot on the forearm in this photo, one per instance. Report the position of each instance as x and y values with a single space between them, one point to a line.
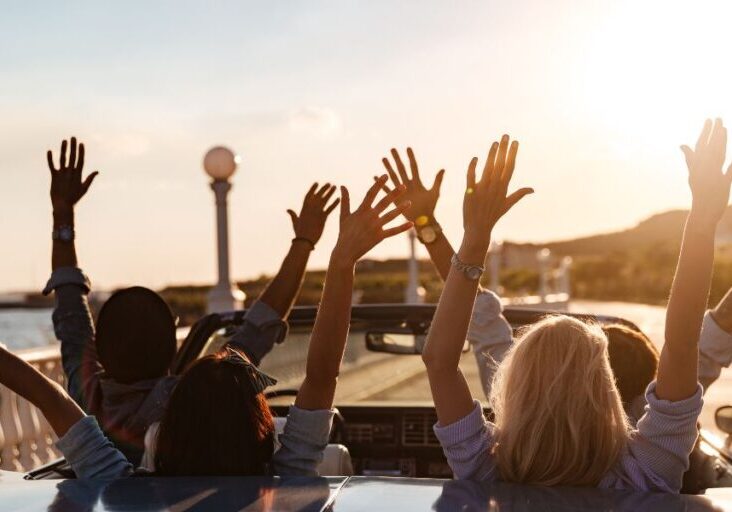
449 327
677 372
446 337
284 288
64 253
329 337
441 252
58 408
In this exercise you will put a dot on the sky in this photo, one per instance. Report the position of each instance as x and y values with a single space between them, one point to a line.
599 94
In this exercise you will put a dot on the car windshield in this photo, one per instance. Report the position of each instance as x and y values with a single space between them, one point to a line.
376 376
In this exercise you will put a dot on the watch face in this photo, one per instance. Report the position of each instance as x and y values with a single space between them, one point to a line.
66 234
427 234
473 273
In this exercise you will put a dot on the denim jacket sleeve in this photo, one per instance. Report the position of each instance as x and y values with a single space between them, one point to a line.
90 454
303 442
74 328
261 330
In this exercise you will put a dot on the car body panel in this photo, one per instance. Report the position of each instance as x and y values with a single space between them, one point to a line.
338 494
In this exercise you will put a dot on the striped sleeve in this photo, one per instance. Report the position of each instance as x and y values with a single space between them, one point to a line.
467 445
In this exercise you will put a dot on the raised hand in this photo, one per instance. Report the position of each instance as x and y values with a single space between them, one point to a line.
362 229
709 185
67 186
487 200
315 209
423 199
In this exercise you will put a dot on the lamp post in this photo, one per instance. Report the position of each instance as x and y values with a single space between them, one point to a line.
414 293
220 164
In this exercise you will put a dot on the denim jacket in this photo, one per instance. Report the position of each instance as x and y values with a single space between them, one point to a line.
125 411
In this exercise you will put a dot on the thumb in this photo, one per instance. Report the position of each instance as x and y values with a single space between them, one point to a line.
88 181
345 202
515 198
438 181
688 155
293 217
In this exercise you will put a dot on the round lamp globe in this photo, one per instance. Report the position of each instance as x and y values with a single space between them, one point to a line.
220 163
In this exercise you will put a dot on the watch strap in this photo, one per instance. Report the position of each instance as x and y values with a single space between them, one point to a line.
63 233
436 229
472 272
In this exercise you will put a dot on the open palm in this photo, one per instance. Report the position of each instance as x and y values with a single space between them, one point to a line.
423 199
709 185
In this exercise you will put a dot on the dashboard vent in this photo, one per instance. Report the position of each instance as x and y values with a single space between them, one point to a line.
417 429
360 432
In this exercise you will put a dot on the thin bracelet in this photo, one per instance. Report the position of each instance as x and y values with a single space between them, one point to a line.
303 239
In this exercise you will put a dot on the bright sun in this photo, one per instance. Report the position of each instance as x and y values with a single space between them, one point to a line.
654 70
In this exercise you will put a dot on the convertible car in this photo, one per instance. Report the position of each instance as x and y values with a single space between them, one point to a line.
383 456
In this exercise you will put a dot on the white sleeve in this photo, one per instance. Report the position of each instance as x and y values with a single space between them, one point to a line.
490 336
715 350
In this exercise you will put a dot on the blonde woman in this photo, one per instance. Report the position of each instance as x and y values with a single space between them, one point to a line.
559 419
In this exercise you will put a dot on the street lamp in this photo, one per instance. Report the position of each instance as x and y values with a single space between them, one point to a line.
414 293
220 164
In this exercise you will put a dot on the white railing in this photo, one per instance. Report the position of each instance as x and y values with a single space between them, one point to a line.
26 438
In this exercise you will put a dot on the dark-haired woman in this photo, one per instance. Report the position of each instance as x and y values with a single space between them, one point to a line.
217 421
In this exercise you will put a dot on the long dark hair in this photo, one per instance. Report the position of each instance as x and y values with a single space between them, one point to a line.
216 422
633 358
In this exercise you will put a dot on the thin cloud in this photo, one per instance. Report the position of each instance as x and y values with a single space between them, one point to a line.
317 121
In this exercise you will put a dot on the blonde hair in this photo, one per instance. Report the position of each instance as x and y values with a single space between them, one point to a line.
558 414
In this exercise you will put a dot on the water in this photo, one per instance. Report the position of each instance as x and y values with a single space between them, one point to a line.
26 328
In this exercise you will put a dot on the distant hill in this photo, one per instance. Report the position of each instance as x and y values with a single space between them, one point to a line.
635 264
662 228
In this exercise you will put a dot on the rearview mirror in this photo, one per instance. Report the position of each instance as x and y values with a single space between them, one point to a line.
723 419
395 343
404 343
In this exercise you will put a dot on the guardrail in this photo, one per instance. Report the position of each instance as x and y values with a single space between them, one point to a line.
26 438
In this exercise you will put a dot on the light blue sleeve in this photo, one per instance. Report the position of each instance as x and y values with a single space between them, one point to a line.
261 329
665 437
468 445
303 442
490 336
715 350
90 454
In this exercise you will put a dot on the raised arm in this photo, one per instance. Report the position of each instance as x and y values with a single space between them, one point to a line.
484 203
489 334
282 291
71 317
67 188
20 377
422 212
264 324
677 368
360 231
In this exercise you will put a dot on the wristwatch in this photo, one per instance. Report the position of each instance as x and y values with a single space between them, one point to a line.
63 234
472 272
428 232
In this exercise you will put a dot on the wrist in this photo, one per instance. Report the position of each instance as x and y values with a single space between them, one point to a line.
473 252
342 261
302 241
63 216
700 219
423 219
701 224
